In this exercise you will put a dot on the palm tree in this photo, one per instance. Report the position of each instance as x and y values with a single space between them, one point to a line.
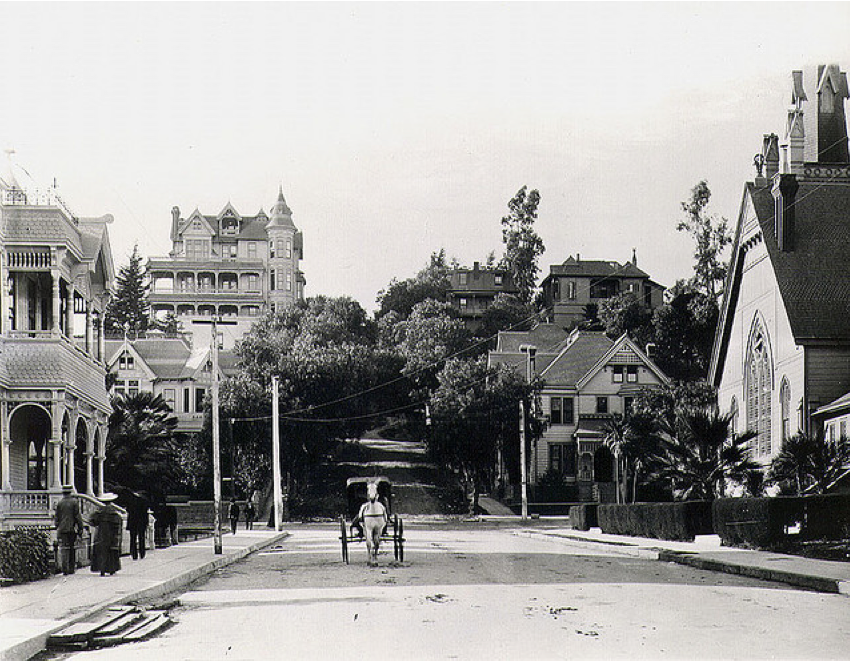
634 441
700 454
809 462
140 450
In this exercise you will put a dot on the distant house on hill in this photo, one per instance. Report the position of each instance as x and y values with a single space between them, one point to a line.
570 287
170 367
473 290
782 347
587 379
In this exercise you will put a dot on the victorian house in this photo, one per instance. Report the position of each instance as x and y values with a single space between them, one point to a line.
170 367
587 378
571 287
56 273
473 290
782 348
227 266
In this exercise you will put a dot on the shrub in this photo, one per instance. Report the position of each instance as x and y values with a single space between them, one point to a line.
25 554
584 517
826 517
673 521
756 522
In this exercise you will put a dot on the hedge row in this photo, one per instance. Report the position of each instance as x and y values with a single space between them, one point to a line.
584 517
751 522
673 521
767 522
26 554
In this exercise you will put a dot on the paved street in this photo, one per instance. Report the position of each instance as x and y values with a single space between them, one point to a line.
481 592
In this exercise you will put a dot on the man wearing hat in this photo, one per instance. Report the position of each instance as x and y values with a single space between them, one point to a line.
69 525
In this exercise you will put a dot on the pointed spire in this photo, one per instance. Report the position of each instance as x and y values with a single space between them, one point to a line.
281 215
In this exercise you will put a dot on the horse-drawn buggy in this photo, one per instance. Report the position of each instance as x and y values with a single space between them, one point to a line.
369 517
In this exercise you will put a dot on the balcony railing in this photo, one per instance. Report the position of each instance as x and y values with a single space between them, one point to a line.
35 197
28 259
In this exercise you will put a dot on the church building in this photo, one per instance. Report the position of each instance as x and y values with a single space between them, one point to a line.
782 347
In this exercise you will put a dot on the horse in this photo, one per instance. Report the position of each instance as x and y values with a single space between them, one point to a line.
373 516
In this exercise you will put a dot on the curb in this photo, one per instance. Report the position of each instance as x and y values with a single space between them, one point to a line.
807 581
29 648
693 559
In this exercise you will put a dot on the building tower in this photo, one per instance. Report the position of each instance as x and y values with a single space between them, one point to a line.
285 252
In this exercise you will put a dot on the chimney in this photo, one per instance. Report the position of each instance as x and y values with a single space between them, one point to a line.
578 257
476 266
175 222
784 193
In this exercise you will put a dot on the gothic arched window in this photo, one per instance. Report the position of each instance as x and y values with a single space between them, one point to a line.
785 403
759 389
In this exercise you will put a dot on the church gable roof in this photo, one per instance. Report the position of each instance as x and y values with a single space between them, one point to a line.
813 278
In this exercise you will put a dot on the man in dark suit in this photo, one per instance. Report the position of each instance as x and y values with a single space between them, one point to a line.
69 524
137 524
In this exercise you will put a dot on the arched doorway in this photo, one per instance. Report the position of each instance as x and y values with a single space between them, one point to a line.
30 429
80 459
603 465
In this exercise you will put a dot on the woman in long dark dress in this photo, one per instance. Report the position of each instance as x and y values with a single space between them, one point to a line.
107 539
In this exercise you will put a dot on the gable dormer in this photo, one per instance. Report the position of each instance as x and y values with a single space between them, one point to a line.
229 221
196 225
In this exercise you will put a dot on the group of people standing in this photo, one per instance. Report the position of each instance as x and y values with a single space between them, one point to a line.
106 546
107 539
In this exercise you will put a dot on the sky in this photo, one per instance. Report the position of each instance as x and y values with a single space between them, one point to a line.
399 129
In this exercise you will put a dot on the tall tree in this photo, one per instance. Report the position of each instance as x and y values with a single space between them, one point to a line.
711 235
401 296
523 246
129 309
624 313
474 411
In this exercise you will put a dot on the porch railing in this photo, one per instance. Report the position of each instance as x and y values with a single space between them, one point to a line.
24 501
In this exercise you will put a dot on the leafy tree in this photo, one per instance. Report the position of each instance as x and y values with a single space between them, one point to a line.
507 312
431 333
432 282
129 309
331 373
711 235
474 411
683 333
699 455
808 462
523 246
141 453
625 313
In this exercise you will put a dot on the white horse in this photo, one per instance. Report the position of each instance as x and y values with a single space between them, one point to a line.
373 515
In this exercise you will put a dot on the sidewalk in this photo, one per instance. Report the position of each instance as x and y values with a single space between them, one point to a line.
29 613
707 553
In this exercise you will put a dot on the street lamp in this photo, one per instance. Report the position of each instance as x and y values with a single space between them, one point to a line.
530 352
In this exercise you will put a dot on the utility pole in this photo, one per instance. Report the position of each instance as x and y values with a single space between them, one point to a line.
216 440
530 352
276 452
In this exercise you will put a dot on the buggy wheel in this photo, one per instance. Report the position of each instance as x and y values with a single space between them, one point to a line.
343 537
395 537
400 535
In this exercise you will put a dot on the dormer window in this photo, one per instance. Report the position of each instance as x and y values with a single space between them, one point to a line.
463 279
126 361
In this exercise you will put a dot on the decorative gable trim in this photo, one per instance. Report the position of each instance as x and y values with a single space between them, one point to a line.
189 224
623 346
232 212
137 358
